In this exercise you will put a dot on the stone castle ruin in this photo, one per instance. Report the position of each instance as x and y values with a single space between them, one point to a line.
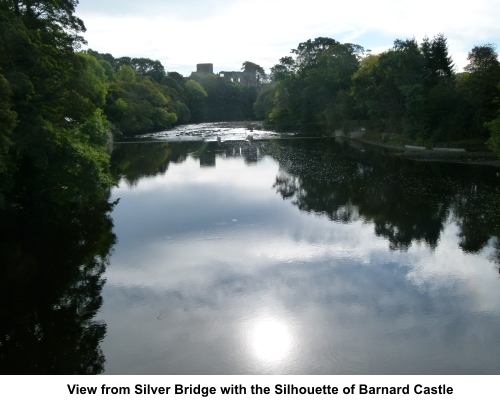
250 77
205 69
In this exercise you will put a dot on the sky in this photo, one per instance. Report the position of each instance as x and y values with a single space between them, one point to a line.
229 32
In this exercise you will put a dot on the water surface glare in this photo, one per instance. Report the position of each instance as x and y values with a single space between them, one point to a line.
300 257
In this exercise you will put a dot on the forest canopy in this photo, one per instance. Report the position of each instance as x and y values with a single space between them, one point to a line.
412 89
60 104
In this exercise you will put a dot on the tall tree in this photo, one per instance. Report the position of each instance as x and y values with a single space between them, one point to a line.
438 63
308 52
51 149
483 59
53 15
149 67
480 84
197 97
250 67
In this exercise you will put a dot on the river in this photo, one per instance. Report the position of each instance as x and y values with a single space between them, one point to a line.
270 256
300 257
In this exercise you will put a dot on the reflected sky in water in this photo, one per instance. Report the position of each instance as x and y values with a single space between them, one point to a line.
216 272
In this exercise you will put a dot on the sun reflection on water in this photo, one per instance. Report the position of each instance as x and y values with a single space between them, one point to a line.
270 340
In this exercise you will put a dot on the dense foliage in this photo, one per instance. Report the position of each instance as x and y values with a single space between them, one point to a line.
59 105
411 89
56 233
142 97
225 101
53 132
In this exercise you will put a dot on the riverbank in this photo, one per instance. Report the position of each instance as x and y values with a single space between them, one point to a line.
473 152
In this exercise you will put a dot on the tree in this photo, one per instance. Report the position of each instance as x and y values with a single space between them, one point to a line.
126 74
148 67
285 69
308 52
252 68
376 87
56 17
197 97
480 84
494 141
177 77
138 104
437 61
327 86
482 59
391 87
494 128
314 86
54 92
7 124
265 103
92 80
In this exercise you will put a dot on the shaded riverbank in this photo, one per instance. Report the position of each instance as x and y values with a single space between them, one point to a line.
256 131
430 155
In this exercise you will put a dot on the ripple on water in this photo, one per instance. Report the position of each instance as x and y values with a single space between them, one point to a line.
359 359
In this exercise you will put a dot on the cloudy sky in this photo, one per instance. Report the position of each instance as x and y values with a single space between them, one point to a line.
226 33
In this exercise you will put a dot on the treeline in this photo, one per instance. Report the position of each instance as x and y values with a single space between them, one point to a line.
412 89
59 104
53 132
141 97
56 232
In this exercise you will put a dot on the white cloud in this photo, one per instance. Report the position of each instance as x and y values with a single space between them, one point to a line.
229 33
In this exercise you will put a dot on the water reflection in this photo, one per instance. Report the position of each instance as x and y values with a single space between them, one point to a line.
270 340
53 259
407 201
315 258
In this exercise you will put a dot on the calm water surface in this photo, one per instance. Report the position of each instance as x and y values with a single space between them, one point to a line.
299 257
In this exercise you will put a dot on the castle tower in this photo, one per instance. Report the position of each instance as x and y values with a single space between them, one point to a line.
205 69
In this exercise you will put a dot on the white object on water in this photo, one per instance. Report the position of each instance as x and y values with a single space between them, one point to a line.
415 147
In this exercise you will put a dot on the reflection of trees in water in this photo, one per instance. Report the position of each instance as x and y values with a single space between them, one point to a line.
53 258
407 201
477 212
148 159
134 161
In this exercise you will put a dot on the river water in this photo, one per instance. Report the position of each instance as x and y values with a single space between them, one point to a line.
271 256
309 256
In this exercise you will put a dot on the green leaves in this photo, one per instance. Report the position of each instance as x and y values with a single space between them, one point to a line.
7 124
312 86
410 89
494 142
197 97
59 141
137 104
